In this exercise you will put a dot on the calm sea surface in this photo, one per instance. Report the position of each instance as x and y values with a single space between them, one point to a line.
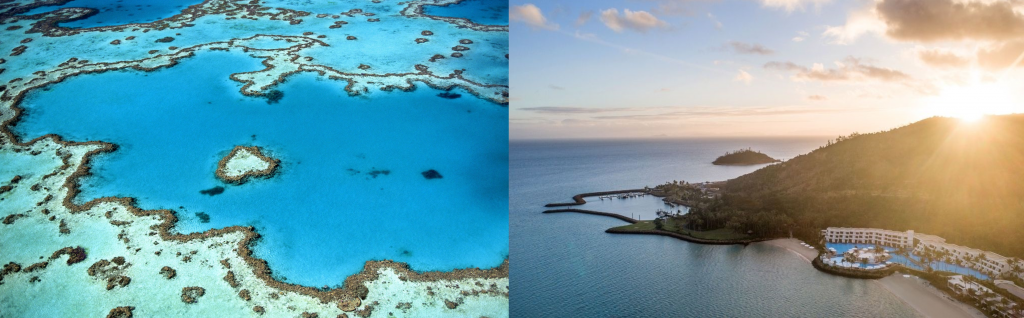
564 265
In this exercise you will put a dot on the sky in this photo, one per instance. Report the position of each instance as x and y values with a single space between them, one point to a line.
739 68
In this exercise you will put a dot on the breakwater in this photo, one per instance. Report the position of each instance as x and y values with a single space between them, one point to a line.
578 199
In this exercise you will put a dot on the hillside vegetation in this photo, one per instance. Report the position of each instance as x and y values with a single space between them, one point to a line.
962 181
743 157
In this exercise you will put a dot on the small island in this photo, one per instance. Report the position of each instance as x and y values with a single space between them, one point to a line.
743 157
244 162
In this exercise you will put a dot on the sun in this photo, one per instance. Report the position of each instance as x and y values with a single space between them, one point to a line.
973 101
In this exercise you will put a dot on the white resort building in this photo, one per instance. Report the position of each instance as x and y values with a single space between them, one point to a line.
869 236
984 261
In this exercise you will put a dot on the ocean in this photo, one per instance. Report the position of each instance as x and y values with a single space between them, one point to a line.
565 265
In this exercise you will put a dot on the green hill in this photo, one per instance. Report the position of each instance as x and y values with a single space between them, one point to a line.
743 157
961 181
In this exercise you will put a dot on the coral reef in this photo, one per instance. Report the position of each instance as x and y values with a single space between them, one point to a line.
432 174
121 312
190 295
168 272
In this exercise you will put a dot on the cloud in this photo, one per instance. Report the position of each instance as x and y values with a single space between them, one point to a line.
691 112
640 21
939 20
747 48
858 23
714 20
816 98
850 69
744 77
572 110
531 15
942 58
801 37
792 5
1001 56
584 17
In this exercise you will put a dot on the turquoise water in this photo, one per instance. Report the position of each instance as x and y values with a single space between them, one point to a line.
324 214
490 12
900 259
947 267
565 265
120 12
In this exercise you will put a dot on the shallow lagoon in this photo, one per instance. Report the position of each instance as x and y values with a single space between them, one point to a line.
325 214
120 12
490 12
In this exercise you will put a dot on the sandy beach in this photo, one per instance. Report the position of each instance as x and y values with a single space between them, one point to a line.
793 245
927 300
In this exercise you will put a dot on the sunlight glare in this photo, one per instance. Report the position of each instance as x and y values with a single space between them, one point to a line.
970 103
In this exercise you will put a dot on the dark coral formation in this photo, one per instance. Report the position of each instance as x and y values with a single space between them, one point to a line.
121 312
275 96
431 174
456 54
404 306
13 217
75 254
118 280
366 311
11 267
310 315
213 191
36 266
165 40
244 294
374 173
460 48
64 227
421 40
230 278
115 42
465 41
448 95
450 304
203 217
168 272
350 38
436 57
190 295
364 67
258 309
426 33
18 50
